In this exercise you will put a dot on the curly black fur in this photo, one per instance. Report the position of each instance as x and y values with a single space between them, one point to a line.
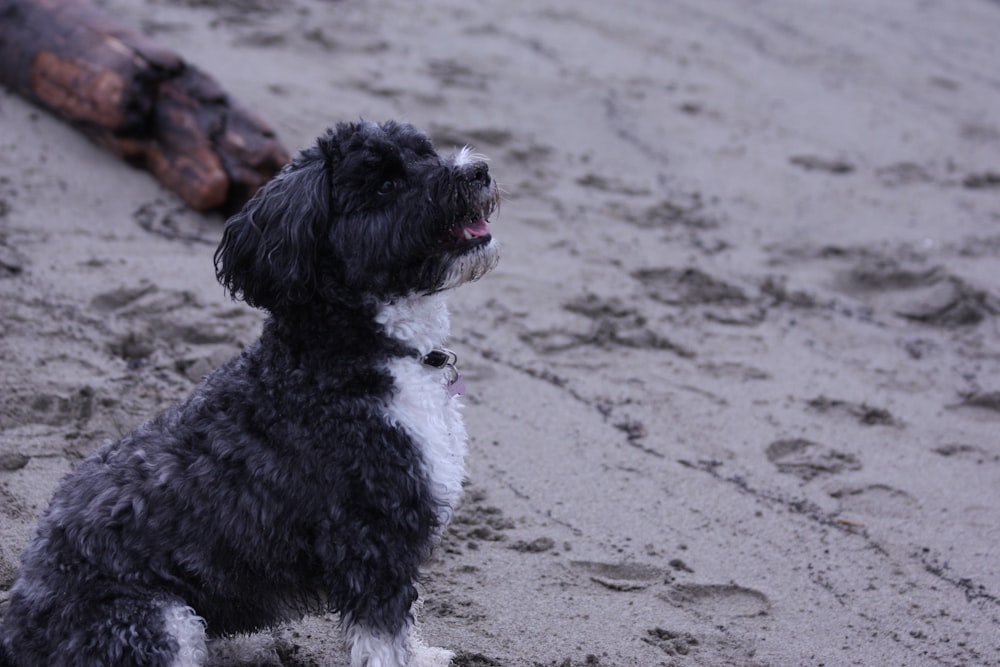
280 487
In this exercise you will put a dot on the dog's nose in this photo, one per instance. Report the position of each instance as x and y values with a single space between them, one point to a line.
479 173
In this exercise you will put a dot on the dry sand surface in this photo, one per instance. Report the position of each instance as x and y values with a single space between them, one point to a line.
734 390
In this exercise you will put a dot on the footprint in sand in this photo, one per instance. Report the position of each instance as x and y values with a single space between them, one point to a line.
915 291
866 415
160 317
719 600
120 297
689 287
622 576
671 643
965 452
822 164
50 409
720 301
613 324
880 500
807 459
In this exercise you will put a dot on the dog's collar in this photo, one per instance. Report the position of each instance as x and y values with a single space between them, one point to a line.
443 358
439 357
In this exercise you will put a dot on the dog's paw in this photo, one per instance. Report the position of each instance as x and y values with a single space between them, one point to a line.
429 656
259 650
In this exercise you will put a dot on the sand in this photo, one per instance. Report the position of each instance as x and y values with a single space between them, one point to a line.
734 390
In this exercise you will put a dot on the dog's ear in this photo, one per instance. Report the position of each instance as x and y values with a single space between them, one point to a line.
268 252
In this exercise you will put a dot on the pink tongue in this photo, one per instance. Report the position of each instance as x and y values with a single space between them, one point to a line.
478 228
474 229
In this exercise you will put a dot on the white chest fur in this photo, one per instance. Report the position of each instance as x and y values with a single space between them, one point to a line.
421 404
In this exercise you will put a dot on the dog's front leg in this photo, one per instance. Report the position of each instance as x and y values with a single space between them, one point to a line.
422 655
379 637
371 647
376 617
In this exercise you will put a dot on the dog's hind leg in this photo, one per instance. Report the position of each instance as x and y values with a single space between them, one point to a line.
97 631
187 630
147 632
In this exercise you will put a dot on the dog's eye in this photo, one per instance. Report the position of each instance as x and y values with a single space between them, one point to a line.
388 187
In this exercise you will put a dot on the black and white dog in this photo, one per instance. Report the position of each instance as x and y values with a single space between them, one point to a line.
314 471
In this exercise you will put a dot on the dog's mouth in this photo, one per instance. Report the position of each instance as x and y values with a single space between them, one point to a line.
473 229
469 228
470 232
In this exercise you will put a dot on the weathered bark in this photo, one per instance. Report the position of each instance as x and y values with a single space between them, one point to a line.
138 99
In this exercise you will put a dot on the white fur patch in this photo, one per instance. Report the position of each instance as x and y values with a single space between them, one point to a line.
188 630
473 265
428 656
422 407
422 655
368 649
467 156
420 321
420 404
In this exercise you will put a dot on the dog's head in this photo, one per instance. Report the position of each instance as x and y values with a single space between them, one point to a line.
370 211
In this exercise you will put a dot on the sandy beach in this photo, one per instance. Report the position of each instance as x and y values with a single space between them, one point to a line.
733 392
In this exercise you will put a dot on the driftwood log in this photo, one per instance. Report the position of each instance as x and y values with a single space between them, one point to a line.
138 99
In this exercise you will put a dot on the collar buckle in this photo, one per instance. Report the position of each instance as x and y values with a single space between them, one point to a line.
439 358
444 359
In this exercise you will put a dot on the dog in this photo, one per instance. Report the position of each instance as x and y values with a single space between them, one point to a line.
315 471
